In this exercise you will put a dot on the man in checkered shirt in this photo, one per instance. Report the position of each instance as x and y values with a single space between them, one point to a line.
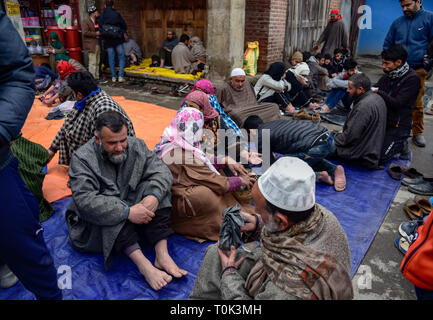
79 125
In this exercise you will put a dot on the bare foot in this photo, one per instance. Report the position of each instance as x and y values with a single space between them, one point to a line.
324 177
166 263
340 179
156 278
290 109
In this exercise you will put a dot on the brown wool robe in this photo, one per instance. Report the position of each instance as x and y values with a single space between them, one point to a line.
240 104
334 36
199 197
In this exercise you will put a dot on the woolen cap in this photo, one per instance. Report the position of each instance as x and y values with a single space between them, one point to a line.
238 72
91 9
289 184
298 56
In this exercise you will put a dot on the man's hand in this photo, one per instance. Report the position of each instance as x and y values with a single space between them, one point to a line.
248 180
150 202
250 225
254 158
139 214
236 168
98 33
230 259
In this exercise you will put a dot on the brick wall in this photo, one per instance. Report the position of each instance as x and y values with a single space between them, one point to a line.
265 21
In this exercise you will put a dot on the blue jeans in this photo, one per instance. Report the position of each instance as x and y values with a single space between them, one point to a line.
315 156
422 294
335 96
22 245
112 61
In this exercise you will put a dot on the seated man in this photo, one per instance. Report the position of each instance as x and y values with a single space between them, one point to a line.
79 126
300 239
166 49
337 63
183 60
363 134
327 64
121 195
238 99
197 49
399 88
133 53
338 86
322 73
302 139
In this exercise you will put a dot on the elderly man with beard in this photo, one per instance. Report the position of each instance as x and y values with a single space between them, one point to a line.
414 30
238 99
303 254
121 195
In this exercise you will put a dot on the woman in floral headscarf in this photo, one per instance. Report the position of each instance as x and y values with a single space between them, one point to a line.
199 192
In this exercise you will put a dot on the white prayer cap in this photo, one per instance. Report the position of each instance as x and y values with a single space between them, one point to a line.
238 72
289 184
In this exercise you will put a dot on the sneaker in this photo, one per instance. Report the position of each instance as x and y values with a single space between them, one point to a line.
7 278
402 244
121 79
113 79
408 230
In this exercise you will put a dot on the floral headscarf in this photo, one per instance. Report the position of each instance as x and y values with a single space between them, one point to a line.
185 131
202 100
65 69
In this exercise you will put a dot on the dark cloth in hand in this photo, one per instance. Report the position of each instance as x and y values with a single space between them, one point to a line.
230 233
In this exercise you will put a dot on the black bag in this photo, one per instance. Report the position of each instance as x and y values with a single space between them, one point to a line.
110 32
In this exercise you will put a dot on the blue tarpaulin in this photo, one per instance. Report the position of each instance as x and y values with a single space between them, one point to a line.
361 208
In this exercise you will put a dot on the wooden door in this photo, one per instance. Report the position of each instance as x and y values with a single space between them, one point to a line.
306 19
180 16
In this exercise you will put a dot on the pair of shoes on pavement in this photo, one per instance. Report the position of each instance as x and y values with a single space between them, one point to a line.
421 186
7 278
121 79
419 141
418 208
409 233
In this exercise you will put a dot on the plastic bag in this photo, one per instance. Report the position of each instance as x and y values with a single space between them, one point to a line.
251 56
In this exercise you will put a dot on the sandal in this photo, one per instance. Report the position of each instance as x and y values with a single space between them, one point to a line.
413 210
424 204
316 118
302 115
402 244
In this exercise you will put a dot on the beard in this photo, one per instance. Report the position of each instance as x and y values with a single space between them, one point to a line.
114 158
272 226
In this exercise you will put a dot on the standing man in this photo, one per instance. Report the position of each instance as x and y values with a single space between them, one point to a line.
113 29
91 35
335 35
414 30
22 245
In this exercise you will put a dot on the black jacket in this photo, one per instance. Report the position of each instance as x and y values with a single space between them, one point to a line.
112 17
400 96
17 89
290 136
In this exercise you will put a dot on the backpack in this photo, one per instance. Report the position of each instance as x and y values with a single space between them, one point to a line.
417 264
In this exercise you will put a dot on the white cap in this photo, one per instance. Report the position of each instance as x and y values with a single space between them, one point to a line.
289 184
238 72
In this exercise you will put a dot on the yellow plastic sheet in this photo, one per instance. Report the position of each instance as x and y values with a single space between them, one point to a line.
144 68
250 58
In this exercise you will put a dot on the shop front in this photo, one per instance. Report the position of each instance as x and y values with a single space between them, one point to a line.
38 18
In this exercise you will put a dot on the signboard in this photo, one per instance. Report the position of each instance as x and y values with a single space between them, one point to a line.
13 12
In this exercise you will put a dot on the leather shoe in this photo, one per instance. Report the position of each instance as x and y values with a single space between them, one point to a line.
423 189
419 141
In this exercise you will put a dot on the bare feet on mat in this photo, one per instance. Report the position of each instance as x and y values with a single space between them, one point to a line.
323 109
324 177
290 109
156 278
166 263
340 179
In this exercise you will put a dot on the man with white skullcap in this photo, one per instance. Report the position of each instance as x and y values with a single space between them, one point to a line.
238 99
303 252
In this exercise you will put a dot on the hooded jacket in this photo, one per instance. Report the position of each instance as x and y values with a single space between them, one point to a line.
17 89
414 33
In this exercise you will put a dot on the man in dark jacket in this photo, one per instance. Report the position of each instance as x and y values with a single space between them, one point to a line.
22 246
399 87
361 139
113 40
414 30
305 140
91 35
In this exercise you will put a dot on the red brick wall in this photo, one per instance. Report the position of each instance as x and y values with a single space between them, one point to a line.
265 21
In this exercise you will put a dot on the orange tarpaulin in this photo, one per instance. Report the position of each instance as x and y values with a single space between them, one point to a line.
149 123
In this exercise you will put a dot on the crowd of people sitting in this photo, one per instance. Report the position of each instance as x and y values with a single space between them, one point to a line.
124 194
